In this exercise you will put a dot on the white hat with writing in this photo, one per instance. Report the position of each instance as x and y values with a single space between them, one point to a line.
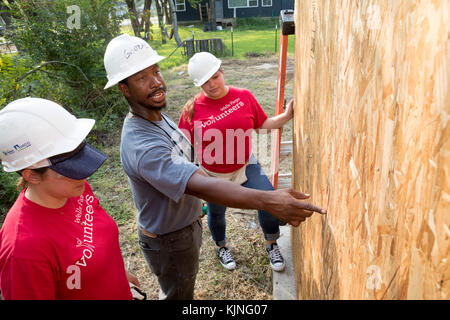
38 133
126 55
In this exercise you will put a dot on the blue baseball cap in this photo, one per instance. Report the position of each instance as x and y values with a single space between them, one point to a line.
77 164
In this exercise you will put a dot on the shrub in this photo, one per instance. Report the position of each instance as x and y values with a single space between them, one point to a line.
70 57
258 23
45 30
8 192
60 62
11 68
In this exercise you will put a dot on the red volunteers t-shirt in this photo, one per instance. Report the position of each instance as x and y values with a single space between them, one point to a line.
221 130
67 253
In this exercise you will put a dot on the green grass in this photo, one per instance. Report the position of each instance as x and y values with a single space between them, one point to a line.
250 36
110 181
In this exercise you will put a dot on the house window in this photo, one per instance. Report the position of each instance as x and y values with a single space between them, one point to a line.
180 5
266 3
242 3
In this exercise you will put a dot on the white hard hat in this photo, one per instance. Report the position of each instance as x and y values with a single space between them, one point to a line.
126 55
34 129
202 66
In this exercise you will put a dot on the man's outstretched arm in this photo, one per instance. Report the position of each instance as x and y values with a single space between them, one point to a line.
285 204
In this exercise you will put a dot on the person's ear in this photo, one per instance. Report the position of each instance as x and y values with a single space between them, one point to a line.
31 176
124 88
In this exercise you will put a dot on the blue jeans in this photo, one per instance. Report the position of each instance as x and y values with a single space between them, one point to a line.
256 179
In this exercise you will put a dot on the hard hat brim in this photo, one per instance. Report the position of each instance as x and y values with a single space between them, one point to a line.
131 71
81 165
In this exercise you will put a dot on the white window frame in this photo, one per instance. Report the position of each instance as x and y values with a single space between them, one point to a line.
266 5
179 4
247 6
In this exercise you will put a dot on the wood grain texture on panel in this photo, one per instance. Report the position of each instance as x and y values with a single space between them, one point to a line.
372 145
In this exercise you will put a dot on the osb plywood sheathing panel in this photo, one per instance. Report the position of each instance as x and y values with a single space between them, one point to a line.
371 144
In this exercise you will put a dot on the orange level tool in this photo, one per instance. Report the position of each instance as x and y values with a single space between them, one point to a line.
287 27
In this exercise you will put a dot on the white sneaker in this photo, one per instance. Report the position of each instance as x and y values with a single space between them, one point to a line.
275 257
226 260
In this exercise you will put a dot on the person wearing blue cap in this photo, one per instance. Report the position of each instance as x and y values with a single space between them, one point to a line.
56 241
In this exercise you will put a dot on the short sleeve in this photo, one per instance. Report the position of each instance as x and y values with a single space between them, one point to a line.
166 171
186 127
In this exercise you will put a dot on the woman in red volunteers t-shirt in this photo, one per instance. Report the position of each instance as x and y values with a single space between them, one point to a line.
220 121
56 241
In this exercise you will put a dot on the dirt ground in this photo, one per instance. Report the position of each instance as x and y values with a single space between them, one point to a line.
252 279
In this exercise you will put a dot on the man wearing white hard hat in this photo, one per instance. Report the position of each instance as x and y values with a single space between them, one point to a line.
165 181
56 241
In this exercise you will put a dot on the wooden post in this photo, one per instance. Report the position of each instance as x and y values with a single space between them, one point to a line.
190 48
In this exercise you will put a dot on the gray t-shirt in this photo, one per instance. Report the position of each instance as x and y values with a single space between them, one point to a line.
158 173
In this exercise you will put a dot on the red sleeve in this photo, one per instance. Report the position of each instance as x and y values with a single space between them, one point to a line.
259 116
24 279
186 127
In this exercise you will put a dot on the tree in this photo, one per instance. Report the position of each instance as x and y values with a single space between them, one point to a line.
140 21
160 14
4 13
163 8
44 30
167 8
175 23
167 12
56 59
212 8
194 3
212 5
146 18
60 62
